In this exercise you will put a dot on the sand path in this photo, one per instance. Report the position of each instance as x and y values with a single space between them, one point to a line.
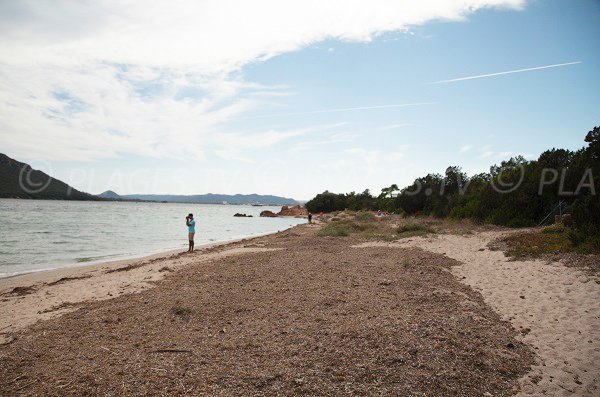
556 308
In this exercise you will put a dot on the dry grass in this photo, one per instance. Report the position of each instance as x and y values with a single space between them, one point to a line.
366 225
555 239
536 243
552 243
413 229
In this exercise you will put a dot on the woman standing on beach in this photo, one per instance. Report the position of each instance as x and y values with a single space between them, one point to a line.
191 224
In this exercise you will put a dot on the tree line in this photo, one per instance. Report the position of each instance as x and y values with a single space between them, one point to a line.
516 193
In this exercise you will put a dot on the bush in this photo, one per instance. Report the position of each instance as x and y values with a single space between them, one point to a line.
181 311
413 230
333 232
344 227
364 216
556 228
413 227
340 228
454 194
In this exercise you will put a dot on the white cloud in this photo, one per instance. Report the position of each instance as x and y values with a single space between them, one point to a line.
87 80
465 148
504 155
486 152
399 153
367 156
319 111
394 126
331 140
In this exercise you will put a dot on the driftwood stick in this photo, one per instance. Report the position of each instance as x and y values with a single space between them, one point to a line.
107 349
16 379
171 351
66 384
26 384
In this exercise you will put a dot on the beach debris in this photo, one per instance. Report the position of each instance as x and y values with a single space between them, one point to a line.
126 268
64 305
26 385
107 349
240 215
172 351
181 311
65 279
20 291
309 317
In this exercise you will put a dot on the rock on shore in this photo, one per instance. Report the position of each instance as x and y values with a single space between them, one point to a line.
296 210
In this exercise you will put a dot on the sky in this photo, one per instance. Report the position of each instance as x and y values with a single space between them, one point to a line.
291 97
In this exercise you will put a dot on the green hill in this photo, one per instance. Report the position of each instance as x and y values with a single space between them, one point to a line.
19 180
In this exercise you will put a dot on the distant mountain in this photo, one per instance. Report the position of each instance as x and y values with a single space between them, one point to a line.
109 194
209 198
19 180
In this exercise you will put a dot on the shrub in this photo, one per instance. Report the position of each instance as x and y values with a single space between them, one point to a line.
181 311
413 227
364 216
339 228
556 228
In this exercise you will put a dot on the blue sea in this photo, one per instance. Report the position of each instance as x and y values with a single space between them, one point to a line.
46 234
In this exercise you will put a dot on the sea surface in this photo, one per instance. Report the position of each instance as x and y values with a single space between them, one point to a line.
46 234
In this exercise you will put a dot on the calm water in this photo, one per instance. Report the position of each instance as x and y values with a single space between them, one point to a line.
40 234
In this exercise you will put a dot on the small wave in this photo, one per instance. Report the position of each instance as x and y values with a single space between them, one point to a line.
13 274
97 258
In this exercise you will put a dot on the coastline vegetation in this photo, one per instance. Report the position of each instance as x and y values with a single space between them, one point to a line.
551 239
516 193
366 225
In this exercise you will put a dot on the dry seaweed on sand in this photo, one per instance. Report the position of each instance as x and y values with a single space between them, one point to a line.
316 318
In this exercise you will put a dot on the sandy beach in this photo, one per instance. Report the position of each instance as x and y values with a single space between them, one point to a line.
297 313
555 308
28 298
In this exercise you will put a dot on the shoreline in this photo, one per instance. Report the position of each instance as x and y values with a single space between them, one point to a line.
288 313
125 260
531 324
30 297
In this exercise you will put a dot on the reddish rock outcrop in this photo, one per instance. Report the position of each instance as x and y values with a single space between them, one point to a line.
296 210
268 214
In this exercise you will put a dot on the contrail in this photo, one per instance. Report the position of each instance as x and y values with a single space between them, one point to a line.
347 109
507 72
